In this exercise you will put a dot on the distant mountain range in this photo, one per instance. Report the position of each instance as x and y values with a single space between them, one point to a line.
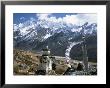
35 36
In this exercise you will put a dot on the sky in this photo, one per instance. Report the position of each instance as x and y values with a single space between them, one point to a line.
47 20
21 17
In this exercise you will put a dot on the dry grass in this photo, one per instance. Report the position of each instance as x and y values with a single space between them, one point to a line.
26 63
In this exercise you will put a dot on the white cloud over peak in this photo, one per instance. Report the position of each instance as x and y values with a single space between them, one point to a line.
42 16
70 22
77 19
90 18
72 19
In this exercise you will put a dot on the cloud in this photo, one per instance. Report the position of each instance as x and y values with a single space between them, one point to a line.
71 19
90 18
77 19
22 18
42 16
56 23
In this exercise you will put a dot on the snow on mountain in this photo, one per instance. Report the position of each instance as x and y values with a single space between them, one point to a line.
44 28
47 36
57 33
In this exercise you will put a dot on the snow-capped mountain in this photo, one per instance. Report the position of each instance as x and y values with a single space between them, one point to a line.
42 30
34 35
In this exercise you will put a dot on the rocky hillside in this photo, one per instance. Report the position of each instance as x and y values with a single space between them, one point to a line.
26 63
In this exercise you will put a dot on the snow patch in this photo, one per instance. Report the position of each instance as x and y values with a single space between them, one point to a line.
47 36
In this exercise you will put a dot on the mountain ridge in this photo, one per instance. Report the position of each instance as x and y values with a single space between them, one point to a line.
57 37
